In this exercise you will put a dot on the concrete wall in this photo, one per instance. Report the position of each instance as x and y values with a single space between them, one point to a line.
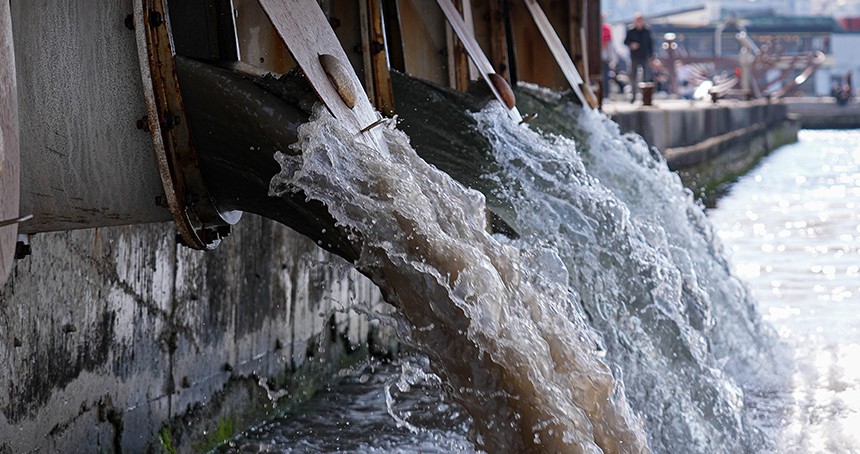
117 339
709 144
707 165
681 123
825 113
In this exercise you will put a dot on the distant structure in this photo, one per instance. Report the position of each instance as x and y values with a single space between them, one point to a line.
622 10
786 29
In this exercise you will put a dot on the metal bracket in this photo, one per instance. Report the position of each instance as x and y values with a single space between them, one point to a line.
201 225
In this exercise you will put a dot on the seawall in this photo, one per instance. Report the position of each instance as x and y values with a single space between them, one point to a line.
117 339
709 144
825 113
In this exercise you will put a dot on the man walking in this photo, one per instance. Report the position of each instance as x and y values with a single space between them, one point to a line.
641 47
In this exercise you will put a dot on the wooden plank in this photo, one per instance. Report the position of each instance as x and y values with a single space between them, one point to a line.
460 69
380 77
498 39
393 37
422 27
306 31
532 60
458 58
557 49
10 185
594 37
259 43
366 46
467 10
350 34
589 93
574 13
475 53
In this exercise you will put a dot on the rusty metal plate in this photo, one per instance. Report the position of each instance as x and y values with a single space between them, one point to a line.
197 218
9 153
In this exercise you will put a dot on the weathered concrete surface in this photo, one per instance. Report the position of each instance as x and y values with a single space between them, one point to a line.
709 144
707 165
80 97
108 336
680 123
825 113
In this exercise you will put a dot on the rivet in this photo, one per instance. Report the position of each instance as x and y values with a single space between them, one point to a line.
340 77
155 18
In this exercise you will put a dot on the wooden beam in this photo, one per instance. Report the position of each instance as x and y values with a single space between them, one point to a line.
422 26
478 57
499 38
458 59
393 36
557 49
376 62
594 38
307 33
575 21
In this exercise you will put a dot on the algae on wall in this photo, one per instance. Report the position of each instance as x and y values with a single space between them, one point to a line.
108 334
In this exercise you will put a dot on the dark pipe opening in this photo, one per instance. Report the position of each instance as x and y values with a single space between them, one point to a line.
240 117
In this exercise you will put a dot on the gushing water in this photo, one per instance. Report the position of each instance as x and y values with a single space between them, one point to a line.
493 315
616 270
646 267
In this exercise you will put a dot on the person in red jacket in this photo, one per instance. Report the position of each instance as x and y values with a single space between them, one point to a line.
606 55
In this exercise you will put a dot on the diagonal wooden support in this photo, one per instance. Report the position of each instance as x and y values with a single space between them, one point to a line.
557 49
303 27
475 53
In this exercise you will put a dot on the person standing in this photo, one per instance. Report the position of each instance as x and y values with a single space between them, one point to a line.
607 55
641 46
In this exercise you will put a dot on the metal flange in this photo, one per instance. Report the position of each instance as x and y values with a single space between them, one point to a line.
199 222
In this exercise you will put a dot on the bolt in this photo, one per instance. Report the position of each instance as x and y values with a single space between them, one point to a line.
209 236
22 250
228 367
223 231
17 342
155 19
129 22
376 47
143 123
161 201
69 328
172 120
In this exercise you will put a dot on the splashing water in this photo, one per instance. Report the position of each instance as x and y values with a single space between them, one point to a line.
645 266
493 315
615 260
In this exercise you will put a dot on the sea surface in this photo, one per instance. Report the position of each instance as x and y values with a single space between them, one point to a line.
791 229
791 233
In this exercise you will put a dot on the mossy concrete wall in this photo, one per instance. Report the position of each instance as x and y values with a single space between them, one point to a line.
825 113
709 144
118 339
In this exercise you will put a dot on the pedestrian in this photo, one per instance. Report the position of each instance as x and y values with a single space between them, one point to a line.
641 46
607 55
